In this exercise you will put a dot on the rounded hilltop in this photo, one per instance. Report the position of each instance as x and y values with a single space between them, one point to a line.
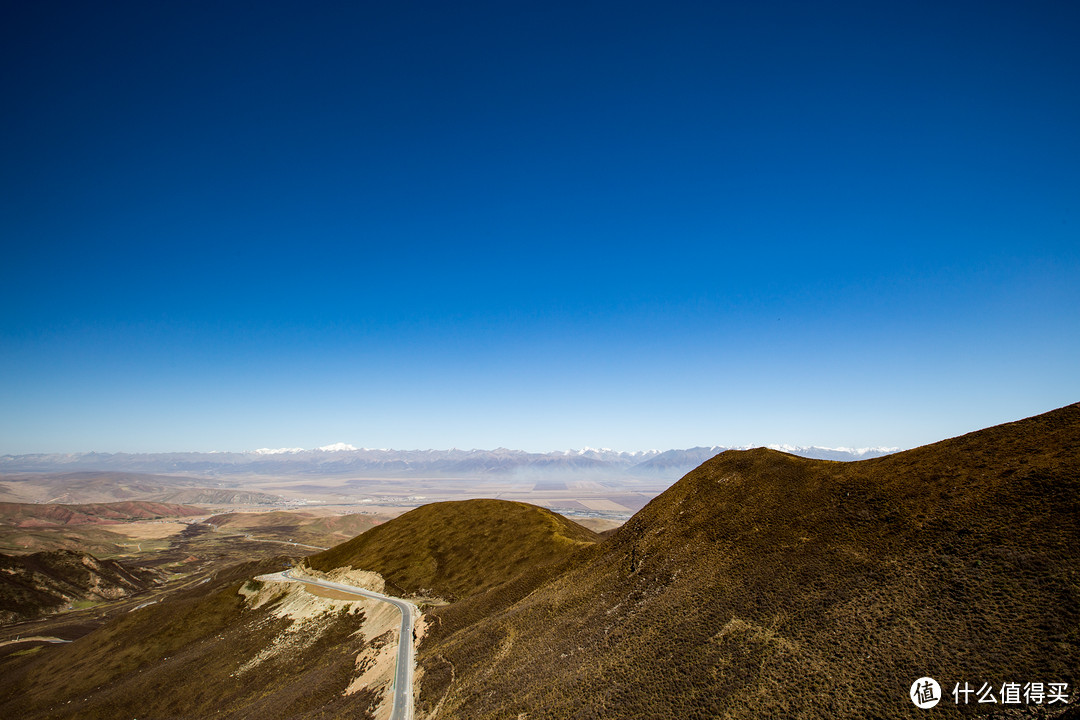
459 548
752 584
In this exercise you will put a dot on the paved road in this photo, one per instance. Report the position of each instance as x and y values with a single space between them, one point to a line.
282 542
402 708
35 638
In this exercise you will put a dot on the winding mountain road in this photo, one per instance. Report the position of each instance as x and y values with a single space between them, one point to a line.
402 708
34 638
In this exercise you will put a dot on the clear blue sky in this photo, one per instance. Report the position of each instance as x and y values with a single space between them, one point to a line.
536 225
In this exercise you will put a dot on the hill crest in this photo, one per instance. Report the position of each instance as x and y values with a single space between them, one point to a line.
44 582
459 548
753 584
28 515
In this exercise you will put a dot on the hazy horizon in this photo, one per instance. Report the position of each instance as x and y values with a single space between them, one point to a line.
351 448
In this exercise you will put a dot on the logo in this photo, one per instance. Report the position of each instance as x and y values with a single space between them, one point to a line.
925 693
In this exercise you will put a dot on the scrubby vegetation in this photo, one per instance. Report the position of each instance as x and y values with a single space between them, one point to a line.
297 526
766 585
45 514
181 659
760 585
37 584
457 549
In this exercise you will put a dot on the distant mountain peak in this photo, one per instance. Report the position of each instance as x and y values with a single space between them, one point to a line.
337 447
345 458
834 453
850 451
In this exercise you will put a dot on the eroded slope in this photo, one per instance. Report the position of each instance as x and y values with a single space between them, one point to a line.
229 647
42 583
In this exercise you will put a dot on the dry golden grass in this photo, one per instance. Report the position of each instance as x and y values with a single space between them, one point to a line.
148 530
45 514
94 539
599 525
304 526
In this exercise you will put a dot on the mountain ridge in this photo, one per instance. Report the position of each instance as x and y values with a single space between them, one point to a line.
44 582
459 548
27 515
96 486
343 459
761 584
768 585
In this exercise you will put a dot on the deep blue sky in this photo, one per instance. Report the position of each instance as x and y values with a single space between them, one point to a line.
536 225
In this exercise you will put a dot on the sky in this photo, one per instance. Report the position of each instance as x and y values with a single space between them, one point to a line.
543 226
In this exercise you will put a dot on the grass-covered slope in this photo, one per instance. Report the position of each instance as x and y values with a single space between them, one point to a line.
44 582
297 526
189 656
46 515
457 549
766 585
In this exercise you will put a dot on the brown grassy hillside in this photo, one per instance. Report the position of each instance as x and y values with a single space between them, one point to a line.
456 549
766 585
108 487
299 526
37 584
94 539
185 657
43 515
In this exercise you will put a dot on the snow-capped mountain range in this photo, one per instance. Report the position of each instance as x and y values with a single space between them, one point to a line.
342 458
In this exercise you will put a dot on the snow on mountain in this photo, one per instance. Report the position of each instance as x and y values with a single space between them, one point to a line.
344 458
337 447
838 453
278 451
609 455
